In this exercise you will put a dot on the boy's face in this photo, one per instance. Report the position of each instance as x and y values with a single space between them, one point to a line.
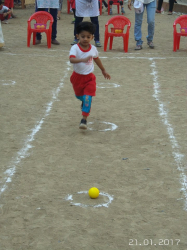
84 38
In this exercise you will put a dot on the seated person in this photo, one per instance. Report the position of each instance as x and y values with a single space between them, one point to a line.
116 1
4 13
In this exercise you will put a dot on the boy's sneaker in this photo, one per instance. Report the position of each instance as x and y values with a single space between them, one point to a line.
5 21
83 124
151 45
138 47
75 41
97 44
122 11
110 11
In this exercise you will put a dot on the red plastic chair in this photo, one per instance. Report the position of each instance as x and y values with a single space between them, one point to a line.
182 21
114 3
41 18
118 24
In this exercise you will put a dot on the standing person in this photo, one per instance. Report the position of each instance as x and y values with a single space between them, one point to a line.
82 78
116 1
87 8
53 5
171 4
150 6
4 13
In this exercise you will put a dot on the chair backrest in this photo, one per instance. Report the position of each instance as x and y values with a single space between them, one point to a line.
181 20
41 17
119 22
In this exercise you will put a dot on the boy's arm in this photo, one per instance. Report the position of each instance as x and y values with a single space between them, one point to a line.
73 59
100 65
7 13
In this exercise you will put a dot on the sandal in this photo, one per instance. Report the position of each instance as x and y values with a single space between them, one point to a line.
58 18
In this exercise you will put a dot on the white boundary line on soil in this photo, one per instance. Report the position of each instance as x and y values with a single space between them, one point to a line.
24 151
164 115
69 197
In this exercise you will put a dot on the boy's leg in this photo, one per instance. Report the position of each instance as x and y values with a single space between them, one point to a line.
110 3
6 17
122 8
86 107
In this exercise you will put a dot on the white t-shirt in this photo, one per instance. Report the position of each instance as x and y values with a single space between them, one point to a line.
82 67
84 8
54 4
3 8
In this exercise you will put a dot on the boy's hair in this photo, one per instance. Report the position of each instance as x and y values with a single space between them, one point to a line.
85 26
1 2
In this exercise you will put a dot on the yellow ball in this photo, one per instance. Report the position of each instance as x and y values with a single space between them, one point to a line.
93 192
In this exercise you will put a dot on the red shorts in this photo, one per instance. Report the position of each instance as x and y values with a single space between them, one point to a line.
9 3
83 84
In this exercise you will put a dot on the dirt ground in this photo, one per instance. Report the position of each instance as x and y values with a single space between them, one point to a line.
134 151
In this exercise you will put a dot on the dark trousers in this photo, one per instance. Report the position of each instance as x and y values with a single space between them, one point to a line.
53 12
94 20
171 3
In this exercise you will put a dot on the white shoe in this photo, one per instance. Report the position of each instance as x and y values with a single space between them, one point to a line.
5 21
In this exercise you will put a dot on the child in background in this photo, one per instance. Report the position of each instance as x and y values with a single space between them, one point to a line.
4 13
10 5
116 1
83 80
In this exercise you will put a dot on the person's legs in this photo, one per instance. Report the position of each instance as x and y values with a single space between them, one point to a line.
86 107
171 3
151 20
122 8
38 35
77 21
95 21
137 29
53 12
160 2
6 17
110 4
105 3
60 8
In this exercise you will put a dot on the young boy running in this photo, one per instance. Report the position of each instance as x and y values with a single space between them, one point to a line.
82 78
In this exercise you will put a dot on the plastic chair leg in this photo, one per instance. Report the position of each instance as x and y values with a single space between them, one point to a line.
111 42
28 39
34 38
178 42
105 43
49 39
118 8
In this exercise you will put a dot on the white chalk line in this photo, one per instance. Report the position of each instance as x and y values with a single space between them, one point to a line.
24 151
7 82
69 197
102 57
175 146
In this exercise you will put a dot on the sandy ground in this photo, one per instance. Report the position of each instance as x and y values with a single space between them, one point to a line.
134 151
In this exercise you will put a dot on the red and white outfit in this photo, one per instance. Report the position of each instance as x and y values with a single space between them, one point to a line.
82 78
